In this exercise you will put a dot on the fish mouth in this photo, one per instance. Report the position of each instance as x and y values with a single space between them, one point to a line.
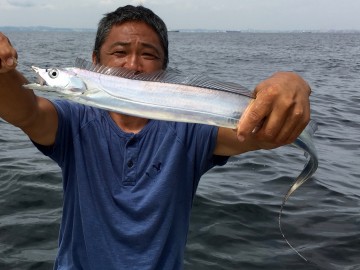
40 80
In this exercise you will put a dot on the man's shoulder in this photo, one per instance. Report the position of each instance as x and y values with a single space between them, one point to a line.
75 110
74 117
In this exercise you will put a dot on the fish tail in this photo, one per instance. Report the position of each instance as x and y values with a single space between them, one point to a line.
304 142
312 127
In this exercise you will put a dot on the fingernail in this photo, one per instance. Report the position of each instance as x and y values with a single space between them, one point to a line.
10 62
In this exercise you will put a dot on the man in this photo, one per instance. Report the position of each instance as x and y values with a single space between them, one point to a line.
129 182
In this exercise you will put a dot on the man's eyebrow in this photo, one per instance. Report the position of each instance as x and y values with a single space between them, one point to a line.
144 44
120 43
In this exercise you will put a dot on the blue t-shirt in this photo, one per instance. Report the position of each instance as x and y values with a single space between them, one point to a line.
127 197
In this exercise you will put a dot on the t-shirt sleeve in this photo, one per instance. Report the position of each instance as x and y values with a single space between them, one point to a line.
201 142
68 123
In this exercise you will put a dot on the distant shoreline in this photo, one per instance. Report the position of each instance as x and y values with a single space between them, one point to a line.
58 29
43 29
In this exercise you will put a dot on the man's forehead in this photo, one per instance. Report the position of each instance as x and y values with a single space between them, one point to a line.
130 32
135 28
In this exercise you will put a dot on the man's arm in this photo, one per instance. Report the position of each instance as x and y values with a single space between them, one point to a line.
277 116
36 116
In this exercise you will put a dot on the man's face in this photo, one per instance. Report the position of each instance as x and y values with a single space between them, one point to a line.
134 46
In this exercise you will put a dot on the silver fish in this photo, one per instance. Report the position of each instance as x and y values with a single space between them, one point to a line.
164 95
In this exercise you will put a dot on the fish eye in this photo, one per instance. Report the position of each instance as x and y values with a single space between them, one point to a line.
53 73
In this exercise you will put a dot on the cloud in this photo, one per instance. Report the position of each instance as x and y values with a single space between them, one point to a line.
138 2
29 3
23 3
106 2
190 14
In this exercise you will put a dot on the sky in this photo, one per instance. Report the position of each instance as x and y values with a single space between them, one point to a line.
268 15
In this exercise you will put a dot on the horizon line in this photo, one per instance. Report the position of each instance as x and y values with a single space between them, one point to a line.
54 28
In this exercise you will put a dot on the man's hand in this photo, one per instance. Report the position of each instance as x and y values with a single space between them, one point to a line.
19 106
279 113
8 55
277 116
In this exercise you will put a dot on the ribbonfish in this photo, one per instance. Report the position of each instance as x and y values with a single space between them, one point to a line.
164 95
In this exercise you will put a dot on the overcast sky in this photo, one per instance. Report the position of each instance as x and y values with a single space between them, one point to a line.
192 14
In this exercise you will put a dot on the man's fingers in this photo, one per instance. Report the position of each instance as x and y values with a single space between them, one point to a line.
8 55
7 64
252 119
285 130
11 62
300 121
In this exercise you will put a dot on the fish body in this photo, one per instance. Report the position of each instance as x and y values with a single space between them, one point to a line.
165 95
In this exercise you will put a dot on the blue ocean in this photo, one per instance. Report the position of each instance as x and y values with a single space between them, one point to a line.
234 222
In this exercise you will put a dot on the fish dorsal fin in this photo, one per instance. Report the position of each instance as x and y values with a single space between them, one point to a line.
170 75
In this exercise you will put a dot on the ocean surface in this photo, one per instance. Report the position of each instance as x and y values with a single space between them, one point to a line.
234 223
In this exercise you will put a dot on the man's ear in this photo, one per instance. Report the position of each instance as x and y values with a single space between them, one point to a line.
94 58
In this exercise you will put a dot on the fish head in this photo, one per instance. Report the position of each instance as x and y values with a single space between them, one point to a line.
60 80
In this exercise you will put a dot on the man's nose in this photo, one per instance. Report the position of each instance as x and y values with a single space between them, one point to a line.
133 62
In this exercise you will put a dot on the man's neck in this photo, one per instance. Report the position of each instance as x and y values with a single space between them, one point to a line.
127 123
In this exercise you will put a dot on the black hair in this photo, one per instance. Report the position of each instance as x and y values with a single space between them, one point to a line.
132 13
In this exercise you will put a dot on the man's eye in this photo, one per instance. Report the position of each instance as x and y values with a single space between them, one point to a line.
119 53
149 56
